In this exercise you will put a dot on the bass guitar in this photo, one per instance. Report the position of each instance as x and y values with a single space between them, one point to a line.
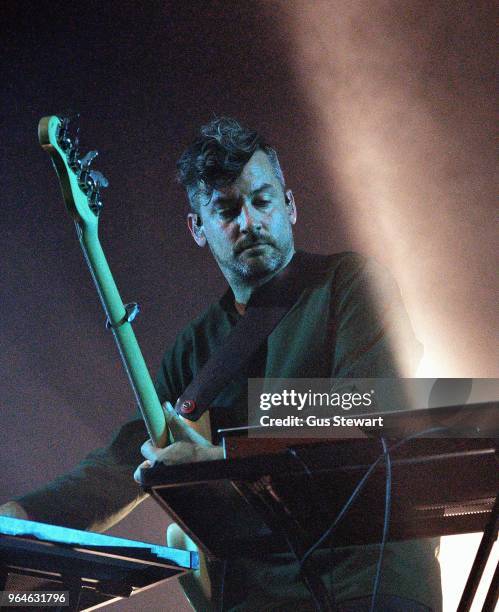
81 188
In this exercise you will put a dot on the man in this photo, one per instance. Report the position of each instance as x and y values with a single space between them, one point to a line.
339 325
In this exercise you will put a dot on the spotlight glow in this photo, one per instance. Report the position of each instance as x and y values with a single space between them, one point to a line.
406 136
409 159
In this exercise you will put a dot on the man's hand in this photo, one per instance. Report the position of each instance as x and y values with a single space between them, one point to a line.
13 510
189 445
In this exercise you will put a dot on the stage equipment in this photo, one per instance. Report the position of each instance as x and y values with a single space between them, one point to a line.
91 569
277 495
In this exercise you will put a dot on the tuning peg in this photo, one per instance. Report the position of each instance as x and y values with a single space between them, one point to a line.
95 182
84 173
73 153
63 137
87 160
98 179
95 202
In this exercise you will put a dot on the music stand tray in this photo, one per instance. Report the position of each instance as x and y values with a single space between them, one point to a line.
96 569
266 503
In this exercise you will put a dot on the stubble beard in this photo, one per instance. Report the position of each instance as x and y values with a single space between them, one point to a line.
256 270
253 270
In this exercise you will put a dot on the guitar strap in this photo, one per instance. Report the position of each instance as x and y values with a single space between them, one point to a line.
266 308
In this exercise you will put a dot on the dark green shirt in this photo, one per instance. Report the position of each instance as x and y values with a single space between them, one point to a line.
343 325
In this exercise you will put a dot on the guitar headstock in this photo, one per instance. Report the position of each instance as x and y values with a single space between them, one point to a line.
81 185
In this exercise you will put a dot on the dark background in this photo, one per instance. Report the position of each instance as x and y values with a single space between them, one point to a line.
382 116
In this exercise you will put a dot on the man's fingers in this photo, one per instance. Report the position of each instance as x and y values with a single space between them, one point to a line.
144 465
182 451
149 451
189 445
180 428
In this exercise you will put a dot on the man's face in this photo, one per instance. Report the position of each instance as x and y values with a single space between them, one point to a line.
248 224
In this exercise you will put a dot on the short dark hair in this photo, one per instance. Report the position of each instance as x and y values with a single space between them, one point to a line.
217 157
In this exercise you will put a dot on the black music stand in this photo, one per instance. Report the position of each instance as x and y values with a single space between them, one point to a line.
95 569
272 502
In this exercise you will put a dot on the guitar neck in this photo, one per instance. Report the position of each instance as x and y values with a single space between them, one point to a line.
128 347
81 186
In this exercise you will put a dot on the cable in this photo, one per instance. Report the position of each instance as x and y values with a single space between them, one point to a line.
332 602
359 487
343 511
292 450
386 522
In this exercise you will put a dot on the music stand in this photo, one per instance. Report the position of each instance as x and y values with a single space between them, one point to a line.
258 503
95 569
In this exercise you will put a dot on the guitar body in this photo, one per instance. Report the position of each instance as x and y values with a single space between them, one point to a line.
197 585
201 426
